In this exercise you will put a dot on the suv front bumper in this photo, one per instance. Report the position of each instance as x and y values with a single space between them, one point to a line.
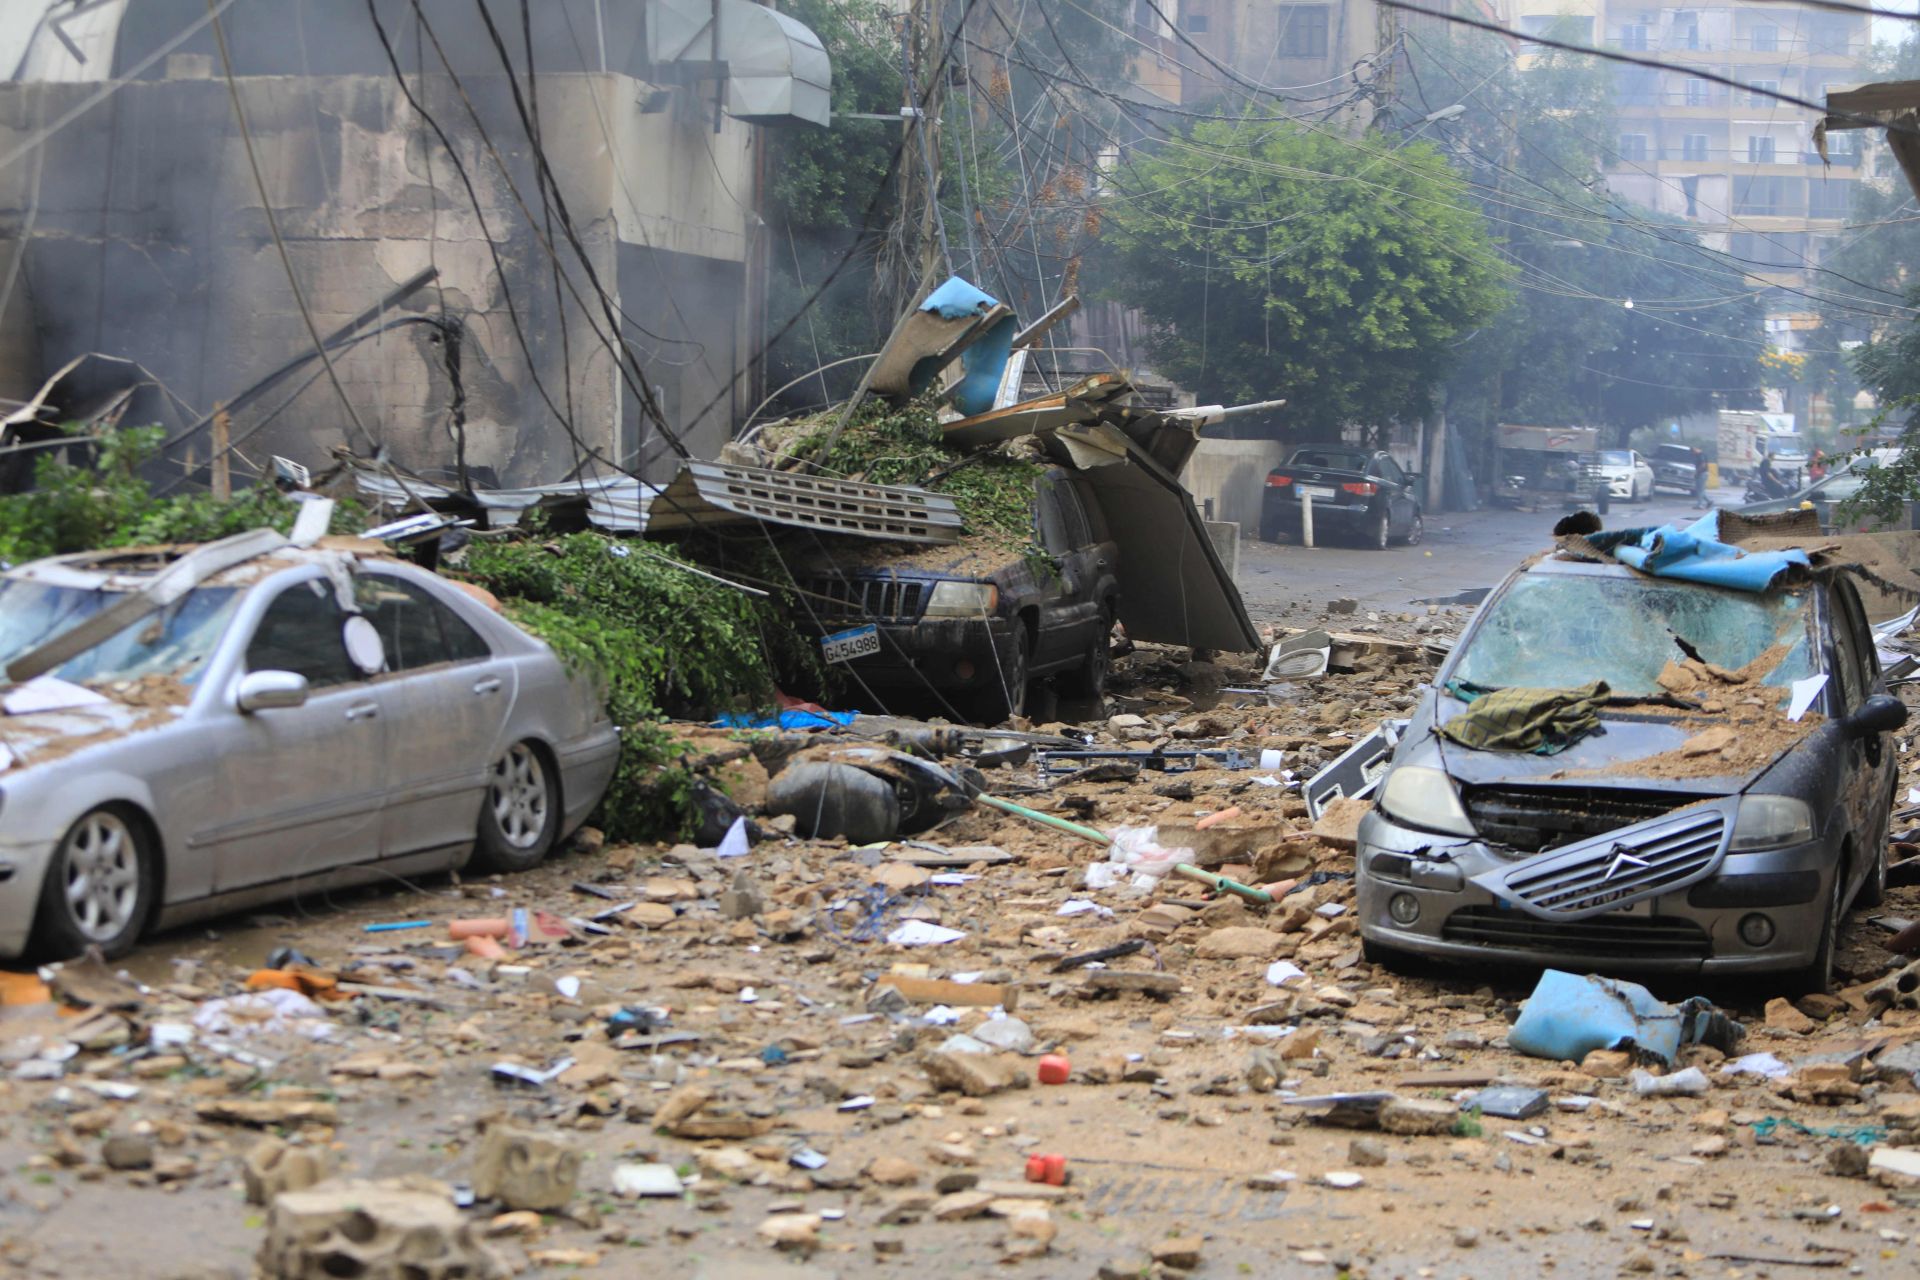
1691 930
955 656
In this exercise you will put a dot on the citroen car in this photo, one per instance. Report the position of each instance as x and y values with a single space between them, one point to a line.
1695 826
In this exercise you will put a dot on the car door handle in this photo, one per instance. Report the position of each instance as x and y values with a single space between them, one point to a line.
486 685
363 711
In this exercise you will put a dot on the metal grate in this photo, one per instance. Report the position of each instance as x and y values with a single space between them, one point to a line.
1641 936
866 599
714 493
1647 860
1544 818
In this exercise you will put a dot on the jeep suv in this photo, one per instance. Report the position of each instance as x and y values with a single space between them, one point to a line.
964 629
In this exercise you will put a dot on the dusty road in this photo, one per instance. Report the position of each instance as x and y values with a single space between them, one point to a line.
781 1042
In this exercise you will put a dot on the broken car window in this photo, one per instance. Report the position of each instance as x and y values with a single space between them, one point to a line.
1560 631
301 632
175 642
417 630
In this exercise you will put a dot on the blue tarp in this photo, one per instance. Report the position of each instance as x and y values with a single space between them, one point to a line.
788 720
1696 554
984 361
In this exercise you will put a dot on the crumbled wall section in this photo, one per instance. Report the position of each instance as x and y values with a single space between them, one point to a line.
149 242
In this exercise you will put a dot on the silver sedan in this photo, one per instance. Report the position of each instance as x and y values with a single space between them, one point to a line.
271 721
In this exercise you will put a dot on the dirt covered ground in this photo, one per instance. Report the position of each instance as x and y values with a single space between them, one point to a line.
745 1024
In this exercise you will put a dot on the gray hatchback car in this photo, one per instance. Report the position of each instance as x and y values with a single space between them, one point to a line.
1699 830
270 720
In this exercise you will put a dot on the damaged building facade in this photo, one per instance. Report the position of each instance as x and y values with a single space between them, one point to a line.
399 142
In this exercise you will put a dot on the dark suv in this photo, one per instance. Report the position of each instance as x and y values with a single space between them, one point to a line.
1673 466
964 629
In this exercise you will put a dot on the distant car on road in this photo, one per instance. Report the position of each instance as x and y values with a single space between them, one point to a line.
1703 834
1355 493
303 718
1673 467
1624 472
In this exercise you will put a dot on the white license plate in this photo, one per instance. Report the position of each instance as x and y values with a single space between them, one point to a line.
854 642
1314 491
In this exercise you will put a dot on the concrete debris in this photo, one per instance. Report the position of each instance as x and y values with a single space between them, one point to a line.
525 1170
394 1230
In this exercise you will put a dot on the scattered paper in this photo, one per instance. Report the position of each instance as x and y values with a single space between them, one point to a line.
1757 1064
735 844
1268 781
1104 875
950 878
636 1180
1804 692
1081 907
1330 909
924 933
48 693
273 1011
1281 972
940 1016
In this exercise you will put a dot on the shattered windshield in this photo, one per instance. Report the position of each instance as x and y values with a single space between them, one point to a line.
1559 631
175 642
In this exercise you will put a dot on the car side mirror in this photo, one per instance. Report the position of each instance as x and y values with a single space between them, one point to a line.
270 690
1882 713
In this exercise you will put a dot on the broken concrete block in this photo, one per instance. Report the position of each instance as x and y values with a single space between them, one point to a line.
1240 942
397 1230
127 1151
796 1232
1417 1116
525 1170
1181 1253
264 1113
892 1171
743 900
1899 990
961 1205
975 1074
1782 1016
1895 1167
274 1166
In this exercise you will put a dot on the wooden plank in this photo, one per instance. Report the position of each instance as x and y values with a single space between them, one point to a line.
944 991
1156 984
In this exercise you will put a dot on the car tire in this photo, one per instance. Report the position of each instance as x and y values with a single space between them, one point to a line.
1816 977
99 887
520 814
1270 531
1008 697
1392 959
1379 531
1416 530
1089 679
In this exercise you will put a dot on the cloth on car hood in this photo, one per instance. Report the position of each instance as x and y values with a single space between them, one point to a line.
1696 554
1543 721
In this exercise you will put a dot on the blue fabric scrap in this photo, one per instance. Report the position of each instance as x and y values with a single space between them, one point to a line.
787 720
1696 554
956 299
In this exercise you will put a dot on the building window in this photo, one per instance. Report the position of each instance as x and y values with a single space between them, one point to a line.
1303 30
1760 197
1633 36
1694 147
1758 91
1698 92
1766 39
1686 30
1759 150
1638 86
1828 35
1829 198
1633 147
1196 23
1690 188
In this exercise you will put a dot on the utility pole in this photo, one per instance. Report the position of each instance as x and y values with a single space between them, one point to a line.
916 249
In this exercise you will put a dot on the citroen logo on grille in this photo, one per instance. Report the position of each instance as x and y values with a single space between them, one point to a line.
1625 857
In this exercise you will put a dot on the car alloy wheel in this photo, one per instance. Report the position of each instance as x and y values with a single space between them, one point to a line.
518 795
101 876
1380 532
1416 530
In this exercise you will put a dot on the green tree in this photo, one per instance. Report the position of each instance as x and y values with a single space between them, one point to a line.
1275 261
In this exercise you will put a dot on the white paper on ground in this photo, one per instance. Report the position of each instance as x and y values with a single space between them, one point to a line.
1281 972
734 844
1804 692
923 933
1081 907
1757 1064
49 693
951 878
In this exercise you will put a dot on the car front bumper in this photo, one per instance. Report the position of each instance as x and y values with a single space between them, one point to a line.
953 656
1620 486
1692 930
23 866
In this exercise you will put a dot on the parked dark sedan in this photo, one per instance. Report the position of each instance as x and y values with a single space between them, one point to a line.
966 629
1699 830
1354 493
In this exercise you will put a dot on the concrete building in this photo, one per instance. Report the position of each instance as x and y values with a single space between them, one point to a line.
131 222
1737 164
1306 53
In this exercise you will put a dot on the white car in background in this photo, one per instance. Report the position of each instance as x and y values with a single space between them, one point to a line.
1628 476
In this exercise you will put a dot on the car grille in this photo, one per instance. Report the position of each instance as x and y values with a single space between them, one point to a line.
1638 936
865 599
1654 858
1534 820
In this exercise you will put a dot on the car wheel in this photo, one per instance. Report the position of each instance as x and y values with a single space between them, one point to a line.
1415 531
1817 976
1269 531
1008 698
99 887
520 816
1378 532
1391 959
1089 679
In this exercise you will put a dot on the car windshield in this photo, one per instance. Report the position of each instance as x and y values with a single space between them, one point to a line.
175 642
1616 458
1563 630
1332 458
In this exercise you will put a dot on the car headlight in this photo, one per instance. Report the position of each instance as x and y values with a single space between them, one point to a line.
1418 796
962 599
1770 822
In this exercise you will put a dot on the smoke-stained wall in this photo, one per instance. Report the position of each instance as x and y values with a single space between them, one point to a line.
149 241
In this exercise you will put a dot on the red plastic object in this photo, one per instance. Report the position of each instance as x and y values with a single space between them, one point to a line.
1054 1069
1049 1169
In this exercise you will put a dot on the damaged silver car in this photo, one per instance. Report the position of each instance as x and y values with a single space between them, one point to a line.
191 730
1646 803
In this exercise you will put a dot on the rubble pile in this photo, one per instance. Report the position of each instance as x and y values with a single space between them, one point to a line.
989 1039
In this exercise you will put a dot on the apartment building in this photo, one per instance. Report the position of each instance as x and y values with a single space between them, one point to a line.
1735 162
